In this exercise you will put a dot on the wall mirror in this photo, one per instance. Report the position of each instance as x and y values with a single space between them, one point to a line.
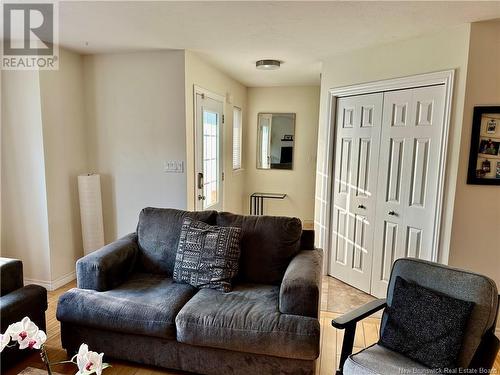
275 140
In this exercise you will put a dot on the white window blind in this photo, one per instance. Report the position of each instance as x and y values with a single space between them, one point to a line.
236 138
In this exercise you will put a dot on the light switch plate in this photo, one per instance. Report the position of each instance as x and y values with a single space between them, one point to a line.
173 166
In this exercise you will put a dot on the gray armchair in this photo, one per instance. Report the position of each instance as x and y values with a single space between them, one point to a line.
479 346
18 301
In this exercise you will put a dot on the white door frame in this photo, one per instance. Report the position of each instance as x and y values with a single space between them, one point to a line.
325 196
220 98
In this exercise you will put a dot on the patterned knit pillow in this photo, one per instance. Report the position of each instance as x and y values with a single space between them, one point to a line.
207 256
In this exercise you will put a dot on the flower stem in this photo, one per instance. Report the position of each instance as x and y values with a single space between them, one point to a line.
61 362
45 359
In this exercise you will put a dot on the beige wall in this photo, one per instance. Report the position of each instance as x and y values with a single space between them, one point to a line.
136 121
65 152
25 232
298 183
44 149
444 50
200 73
475 236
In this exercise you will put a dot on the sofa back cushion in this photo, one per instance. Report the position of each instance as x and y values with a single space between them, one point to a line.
268 244
158 234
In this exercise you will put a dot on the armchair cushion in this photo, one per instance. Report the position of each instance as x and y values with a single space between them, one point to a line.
158 232
109 266
301 285
207 256
376 360
425 326
456 283
268 244
146 304
247 320
11 273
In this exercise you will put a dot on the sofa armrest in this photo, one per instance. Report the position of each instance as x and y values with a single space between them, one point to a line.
11 272
30 301
109 266
301 286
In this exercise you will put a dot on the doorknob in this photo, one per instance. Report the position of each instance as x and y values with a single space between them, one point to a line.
392 213
201 197
362 207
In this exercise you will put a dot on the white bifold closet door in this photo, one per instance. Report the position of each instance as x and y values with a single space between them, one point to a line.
359 120
408 179
386 179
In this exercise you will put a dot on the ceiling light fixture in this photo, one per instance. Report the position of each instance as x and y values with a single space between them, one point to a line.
268 64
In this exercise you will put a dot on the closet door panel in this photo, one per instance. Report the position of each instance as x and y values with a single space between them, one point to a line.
423 172
356 152
411 132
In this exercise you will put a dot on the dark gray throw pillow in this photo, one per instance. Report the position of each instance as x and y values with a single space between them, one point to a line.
207 256
424 325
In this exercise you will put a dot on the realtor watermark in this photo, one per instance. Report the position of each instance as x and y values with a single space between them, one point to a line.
459 370
30 36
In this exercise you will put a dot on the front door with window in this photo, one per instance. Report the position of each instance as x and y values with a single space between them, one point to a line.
208 153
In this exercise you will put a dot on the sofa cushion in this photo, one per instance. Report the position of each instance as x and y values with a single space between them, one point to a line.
247 320
376 360
208 255
146 304
268 244
158 234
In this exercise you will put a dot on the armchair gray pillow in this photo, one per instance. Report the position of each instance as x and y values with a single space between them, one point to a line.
425 326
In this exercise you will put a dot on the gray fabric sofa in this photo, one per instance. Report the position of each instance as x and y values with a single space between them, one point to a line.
127 305
16 302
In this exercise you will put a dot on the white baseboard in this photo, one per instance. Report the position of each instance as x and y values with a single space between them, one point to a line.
63 280
55 284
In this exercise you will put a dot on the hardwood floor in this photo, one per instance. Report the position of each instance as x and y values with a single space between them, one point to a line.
337 298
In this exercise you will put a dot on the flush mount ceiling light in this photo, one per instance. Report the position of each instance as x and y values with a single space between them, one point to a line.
268 64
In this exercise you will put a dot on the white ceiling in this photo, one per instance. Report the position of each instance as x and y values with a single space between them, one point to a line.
233 35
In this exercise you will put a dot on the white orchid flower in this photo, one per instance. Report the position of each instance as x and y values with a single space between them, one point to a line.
34 342
21 330
95 363
4 341
81 357
89 362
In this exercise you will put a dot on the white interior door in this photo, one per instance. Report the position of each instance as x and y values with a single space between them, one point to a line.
408 179
357 150
208 153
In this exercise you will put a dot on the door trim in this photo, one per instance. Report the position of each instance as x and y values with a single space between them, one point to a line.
220 98
324 196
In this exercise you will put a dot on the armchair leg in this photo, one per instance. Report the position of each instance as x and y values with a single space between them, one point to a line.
347 346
